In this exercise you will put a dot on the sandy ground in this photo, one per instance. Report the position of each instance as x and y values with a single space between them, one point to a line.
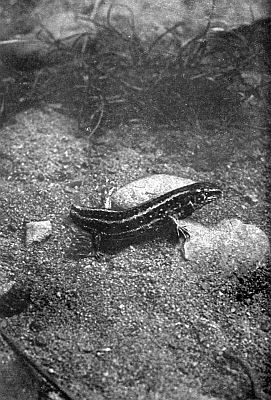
142 324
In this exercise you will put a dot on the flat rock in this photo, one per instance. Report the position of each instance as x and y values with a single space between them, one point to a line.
231 242
38 231
146 189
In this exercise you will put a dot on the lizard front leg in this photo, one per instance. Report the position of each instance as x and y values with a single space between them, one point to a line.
181 231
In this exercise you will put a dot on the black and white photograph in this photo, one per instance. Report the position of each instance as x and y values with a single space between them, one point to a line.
135 200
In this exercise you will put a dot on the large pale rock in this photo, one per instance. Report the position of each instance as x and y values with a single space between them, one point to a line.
145 189
231 241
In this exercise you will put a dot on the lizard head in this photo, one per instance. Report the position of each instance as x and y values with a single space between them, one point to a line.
203 193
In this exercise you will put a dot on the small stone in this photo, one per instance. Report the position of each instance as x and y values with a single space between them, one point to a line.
51 371
251 198
40 177
38 231
84 165
12 227
40 341
106 349
76 183
3 323
265 326
35 326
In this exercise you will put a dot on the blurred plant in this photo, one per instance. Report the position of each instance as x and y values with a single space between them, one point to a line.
118 77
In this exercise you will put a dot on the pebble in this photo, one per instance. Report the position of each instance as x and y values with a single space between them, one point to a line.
251 198
37 231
